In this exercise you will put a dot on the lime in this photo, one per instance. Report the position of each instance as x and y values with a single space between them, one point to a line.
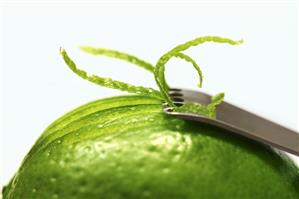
126 147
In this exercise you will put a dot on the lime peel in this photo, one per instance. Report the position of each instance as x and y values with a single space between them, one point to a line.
158 71
108 82
195 65
118 55
209 110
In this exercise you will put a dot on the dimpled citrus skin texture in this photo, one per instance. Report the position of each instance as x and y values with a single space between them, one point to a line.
126 147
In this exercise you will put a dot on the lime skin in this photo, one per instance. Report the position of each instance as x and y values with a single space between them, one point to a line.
126 147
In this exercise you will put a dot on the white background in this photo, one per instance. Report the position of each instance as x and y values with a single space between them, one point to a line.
36 86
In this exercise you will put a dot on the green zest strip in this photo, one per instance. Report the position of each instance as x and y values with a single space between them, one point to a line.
119 55
189 59
158 71
108 82
160 66
209 110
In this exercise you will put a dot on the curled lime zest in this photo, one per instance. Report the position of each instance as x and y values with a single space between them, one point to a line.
160 66
209 110
201 40
119 55
195 65
158 70
192 108
216 100
108 82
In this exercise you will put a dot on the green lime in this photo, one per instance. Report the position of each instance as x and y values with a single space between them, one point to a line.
126 147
